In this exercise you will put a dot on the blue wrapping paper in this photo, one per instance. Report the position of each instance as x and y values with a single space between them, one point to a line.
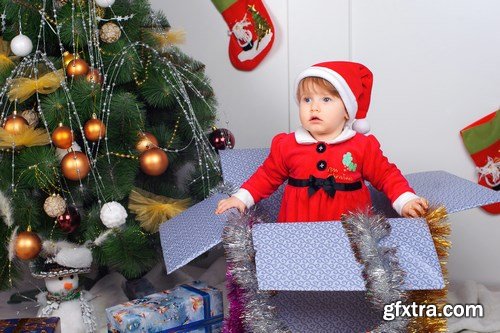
186 308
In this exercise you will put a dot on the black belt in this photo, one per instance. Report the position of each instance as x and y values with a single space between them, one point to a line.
329 185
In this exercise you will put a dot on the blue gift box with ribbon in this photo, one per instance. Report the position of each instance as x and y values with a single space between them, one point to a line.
193 307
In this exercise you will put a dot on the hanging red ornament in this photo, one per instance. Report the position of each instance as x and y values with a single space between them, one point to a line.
221 139
69 220
146 141
153 161
94 129
62 137
15 124
27 245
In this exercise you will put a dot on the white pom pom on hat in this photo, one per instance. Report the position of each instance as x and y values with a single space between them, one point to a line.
354 83
77 257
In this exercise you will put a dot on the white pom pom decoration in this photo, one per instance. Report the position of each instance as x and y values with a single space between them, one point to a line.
78 257
113 214
21 45
361 126
104 3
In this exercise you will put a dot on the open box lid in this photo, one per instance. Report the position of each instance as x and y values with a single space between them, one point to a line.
198 229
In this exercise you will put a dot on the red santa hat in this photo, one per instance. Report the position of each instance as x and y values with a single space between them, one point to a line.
353 81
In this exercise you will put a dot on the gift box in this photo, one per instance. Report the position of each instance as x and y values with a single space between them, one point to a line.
193 307
31 325
320 282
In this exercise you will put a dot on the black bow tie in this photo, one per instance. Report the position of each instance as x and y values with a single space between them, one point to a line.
327 184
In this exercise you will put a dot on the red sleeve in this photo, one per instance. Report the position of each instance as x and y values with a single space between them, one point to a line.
271 174
382 174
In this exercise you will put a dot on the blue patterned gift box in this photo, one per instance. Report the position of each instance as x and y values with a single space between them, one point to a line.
30 325
193 308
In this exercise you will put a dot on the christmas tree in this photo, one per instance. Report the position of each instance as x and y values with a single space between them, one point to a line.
103 134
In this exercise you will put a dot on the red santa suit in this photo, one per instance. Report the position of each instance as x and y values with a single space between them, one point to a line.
351 158
326 179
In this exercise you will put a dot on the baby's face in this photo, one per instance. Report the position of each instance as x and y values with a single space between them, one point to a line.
322 113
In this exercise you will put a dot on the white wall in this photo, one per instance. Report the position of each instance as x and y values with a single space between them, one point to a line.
436 65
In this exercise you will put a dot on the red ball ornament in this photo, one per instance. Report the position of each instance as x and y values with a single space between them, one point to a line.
70 220
222 138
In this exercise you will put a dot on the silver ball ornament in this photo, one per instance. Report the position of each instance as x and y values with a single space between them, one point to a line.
104 3
21 45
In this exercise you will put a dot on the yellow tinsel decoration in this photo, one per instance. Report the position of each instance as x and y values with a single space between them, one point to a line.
28 138
6 57
23 88
166 38
152 210
440 230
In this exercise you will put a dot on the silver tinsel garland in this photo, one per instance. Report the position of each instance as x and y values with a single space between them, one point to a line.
258 315
381 272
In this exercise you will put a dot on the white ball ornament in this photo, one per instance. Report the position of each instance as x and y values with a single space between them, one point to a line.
21 45
113 214
104 3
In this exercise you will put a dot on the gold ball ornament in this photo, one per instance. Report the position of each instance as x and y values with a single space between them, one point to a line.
110 32
77 67
153 161
94 76
54 205
15 124
68 57
27 245
62 137
75 165
31 117
94 129
146 141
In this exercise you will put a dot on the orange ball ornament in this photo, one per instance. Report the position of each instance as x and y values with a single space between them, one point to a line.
15 124
94 76
75 165
68 57
146 141
153 161
27 245
62 137
94 129
77 67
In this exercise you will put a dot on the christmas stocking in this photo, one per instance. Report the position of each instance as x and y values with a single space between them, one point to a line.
482 141
251 31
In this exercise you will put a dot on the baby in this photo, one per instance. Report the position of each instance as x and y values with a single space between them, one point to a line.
327 159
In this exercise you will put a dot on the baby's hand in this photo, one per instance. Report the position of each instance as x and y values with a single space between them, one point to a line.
231 202
415 208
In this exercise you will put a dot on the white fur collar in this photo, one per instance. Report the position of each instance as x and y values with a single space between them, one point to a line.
303 137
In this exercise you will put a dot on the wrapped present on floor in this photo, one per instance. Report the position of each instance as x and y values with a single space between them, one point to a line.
30 325
323 284
192 307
